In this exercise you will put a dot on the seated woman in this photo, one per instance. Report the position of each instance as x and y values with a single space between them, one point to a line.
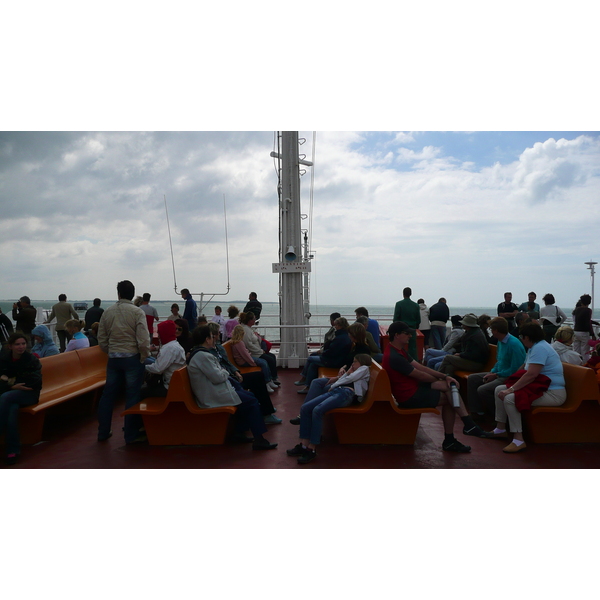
253 343
170 357
43 343
92 334
334 356
253 382
212 388
182 333
340 391
20 385
563 345
78 339
541 359
232 313
243 358
374 349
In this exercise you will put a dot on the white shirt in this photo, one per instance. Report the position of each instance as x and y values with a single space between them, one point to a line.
170 357
360 378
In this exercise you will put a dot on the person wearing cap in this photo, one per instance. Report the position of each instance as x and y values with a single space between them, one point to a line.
475 349
510 357
417 386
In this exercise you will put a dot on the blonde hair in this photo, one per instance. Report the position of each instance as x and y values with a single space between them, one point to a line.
75 324
237 335
564 335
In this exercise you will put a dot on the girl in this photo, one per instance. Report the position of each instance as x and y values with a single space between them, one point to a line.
78 338
243 358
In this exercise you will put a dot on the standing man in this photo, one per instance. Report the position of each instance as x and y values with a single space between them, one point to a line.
253 305
409 312
63 311
190 313
123 335
93 314
508 310
439 314
530 298
510 357
6 328
416 386
151 313
24 314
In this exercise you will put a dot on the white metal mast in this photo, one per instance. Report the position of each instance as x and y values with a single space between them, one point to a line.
292 261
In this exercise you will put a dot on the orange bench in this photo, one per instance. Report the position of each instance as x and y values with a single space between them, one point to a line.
378 419
577 420
384 340
228 349
176 420
80 374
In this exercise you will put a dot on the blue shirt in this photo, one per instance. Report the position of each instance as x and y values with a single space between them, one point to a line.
373 327
524 307
542 353
511 355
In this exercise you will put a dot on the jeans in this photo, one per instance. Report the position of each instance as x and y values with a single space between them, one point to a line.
312 411
438 336
63 338
127 372
10 402
264 367
313 358
248 414
480 395
433 357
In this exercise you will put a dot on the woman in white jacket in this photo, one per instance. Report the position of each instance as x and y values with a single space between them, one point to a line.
563 345
341 391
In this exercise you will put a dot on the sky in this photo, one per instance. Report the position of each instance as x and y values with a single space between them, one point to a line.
464 215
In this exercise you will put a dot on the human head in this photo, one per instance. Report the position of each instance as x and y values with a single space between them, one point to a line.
94 328
341 323
167 331
407 292
233 312
182 328
455 320
548 299
218 310
201 336
214 329
97 302
532 296
358 333
499 326
74 325
564 335
361 311
442 300
237 335
364 321
533 332
484 321
363 359
138 301
469 321
125 290
247 318
522 318
62 297
202 320
24 300
185 292
507 296
175 308
333 316
17 343
399 327
586 300
146 297
252 296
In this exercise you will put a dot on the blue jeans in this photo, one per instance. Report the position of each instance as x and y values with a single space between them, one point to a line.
10 403
313 358
248 414
438 336
433 357
264 367
312 411
127 372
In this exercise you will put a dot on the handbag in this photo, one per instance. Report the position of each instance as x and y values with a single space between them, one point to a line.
558 318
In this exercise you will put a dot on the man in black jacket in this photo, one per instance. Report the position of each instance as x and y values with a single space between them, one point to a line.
438 317
475 349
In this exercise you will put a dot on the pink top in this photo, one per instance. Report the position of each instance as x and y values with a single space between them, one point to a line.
229 326
241 355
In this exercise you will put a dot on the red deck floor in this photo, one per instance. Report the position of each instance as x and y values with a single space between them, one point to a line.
70 443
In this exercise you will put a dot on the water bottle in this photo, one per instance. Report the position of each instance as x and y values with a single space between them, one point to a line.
455 395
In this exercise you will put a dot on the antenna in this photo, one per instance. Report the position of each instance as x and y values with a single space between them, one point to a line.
171 244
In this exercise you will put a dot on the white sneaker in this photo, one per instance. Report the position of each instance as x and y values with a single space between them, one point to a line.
271 388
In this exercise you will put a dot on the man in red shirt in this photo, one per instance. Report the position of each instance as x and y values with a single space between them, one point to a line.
416 386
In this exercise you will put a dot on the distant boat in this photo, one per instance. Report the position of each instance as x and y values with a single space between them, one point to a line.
80 305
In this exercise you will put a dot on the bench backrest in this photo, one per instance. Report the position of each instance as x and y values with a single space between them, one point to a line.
379 384
93 361
492 358
60 370
581 384
228 348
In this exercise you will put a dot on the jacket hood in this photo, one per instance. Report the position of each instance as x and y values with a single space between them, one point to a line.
166 332
44 333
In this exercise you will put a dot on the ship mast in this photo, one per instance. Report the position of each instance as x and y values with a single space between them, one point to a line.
293 261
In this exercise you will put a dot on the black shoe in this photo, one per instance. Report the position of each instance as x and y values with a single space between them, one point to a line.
455 446
295 420
263 445
304 391
307 457
297 450
103 438
242 439
476 431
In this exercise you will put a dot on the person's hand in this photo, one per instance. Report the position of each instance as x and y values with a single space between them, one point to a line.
4 377
22 387
490 377
238 376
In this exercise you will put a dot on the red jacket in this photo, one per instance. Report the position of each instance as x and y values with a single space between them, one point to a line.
532 391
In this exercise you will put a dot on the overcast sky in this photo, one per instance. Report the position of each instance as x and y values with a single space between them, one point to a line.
461 215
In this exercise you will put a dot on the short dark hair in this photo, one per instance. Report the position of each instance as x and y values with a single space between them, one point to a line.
97 302
62 297
13 337
126 289
146 297
218 307
533 331
455 319
253 295
185 291
420 301
586 299
361 310
549 299
406 292
200 334
333 316
442 300
25 299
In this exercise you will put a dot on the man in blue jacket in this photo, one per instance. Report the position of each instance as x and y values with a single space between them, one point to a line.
190 313
510 357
